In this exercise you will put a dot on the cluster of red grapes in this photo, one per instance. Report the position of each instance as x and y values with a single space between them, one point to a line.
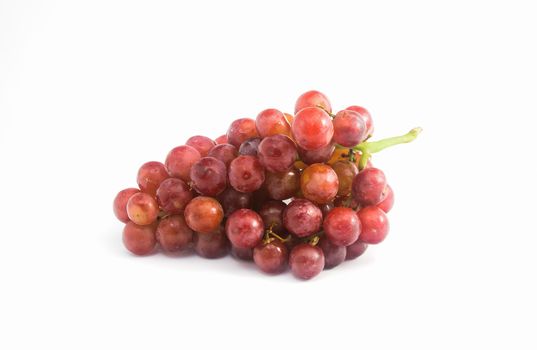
280 190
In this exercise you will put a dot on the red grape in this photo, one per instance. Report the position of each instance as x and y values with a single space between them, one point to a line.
349 128
209 176
139 240
221 139
387 203
232 200
355 250
319 183
272 214
320 155
142 209
120 203
369 186
250 147
173 234
180 160
271 257
302 218
242 253
306 261
272 122
150 176
333 254
241 130
312 128
211 245
244 228
283 185
204 214
202 143
366 117
173 195
246 174
313 99
346 171
277 153
341 226
375 225
224 152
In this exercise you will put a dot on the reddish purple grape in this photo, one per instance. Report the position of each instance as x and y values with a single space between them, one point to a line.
326 208
369 186
375 225
366 117
221 139
173 234
355 250
386 204
346 172
142 209
180 160
349 128
139 240
209 176
150 176
250 147
244 228
224 152
313 99
302 218
272 122
320 155
232 200
211 245
306 261
341 226
204 214
271 257
120 203
319 183
272 214
283 185
202 143
277 153
246 254
312 128
173 195
333 254
246 174
241 130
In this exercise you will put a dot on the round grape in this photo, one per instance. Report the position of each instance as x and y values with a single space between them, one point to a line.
369 186
246 174
355 250
272 122
241 130
209 176
120 203
242 253
312 128
173 195
204 214
341 226
346 171
232 200
271 257
221 139
173 234
139 240
150 176
224 152
302 218
320 155
366 117
180 160
319 183
211 245
349 128
277 153
306 261
375 225
250 147
272 214
313 99
333 254
244 228
283 185
386 204
142 209
202 143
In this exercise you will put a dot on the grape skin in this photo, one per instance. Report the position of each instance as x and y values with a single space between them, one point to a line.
209 176
277 153
312 128
333 254
180 160
272 122
139 239
319 183
369 186
306 261
150 176
244 228
313 98
202 143
120 203
375 225
212 245
302 218
204 214
246 174
142 209
342 227
241 130
173 234
271 257
173 195
225 152
283 185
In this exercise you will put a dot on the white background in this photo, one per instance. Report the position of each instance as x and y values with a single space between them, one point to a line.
91 90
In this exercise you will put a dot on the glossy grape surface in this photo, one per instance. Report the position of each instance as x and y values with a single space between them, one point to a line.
209 176
312 128
150 176
375 225
250 147
232 200
302 218
312 98
346 171
277 153
246 174
173 195
386 204
320 155
244 228
306 261
272 122
319 183
333 254
366 116
225 152
283 185
204 214
355 250
139 240
180 160
271 257
142 209
369 186
272 214
202 143
349 128
341 226
173 234
212 245
120 203
241 130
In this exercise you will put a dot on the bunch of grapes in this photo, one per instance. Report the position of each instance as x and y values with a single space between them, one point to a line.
281 190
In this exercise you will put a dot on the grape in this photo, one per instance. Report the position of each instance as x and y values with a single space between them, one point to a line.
312 128
319 183
259 197
173 195
320 155
326 208
173 234
341 226
333 254
387 203
202 143
343 154
349 128
277 153
249 147
209 176
242 253
221 139
306 261
232 200
246 174
272 122
138 239
244 228
150 176
180 160
375 225
271 257
224 152
272 214
211 245
204 214
355 250
366 117
283 185
346 171
120 203
346 201
142 209
369 186
241 130
313 99
302 218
